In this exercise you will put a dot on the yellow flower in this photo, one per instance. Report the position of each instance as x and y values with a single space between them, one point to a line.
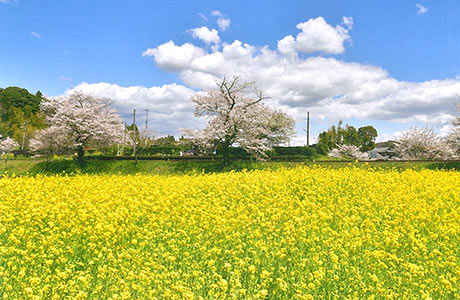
264 274
263 294
252 269
239 234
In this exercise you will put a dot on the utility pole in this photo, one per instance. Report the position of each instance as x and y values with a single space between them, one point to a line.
124 137
146 125
146 119
23 137
134 133
307 130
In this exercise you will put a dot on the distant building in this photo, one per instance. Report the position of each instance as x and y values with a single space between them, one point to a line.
381 153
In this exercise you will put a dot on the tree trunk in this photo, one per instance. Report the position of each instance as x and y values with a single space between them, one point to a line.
226 153
81 157
47 157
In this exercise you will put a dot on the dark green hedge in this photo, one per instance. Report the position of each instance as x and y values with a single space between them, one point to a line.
146 151
293 151
277 151
234 151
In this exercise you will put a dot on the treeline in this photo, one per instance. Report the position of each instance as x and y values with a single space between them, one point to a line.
363 138
20 117
170 146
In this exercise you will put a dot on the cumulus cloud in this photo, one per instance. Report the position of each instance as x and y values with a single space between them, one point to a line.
222 21
209 36
169 106
421 9
174 58
329 88
317 36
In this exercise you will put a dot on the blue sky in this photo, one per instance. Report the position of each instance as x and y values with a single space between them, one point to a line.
54 46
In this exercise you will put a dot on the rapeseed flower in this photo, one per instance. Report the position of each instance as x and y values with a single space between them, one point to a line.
302 233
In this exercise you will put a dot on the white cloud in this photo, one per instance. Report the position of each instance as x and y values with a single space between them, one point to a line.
421 9
174 58
169 106
393 136
317 36
206 35
35 35
287 46
348 22
222 21
329 88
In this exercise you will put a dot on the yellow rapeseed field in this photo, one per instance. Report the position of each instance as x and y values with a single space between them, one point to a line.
302 233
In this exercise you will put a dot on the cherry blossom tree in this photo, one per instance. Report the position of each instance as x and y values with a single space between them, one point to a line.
234 118
423 144
50 141
334 153
348 151
78 121
7 146
454 134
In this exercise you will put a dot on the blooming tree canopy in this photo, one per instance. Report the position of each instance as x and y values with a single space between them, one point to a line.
78 121
234 118
423 144
8 145
50 141
348 151
454 135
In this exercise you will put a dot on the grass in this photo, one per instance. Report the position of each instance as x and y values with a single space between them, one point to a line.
21 167
18 166
127 167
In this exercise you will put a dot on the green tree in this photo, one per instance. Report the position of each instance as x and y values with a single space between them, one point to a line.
165 141
351 136
327 140
18 106
367 135
338 135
